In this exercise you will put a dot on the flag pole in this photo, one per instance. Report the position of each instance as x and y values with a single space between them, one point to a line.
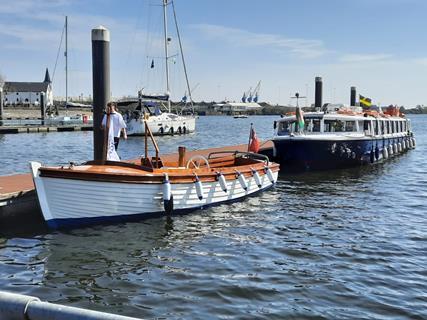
250 137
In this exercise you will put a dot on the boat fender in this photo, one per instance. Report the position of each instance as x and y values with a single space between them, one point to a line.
199 187
269 173
409 142
395 148
413 142
242 180
167 195
399 147
221 179
403 145
385 153
377 153
257 178
390 149
372 156
353 155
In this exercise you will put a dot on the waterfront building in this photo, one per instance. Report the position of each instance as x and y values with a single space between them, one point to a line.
28 93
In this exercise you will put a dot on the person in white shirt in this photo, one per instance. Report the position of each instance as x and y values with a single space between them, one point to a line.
117 123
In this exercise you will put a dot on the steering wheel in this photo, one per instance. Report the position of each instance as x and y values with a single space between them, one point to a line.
196 162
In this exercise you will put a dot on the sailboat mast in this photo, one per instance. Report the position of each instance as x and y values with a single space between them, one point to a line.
182 57
165 26
66 60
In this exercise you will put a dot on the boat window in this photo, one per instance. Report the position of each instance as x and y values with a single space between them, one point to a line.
366 125
376 127
388 126
393 127
350 126
361 125
382 126
316 125
286 127
312 125
401 126
334 126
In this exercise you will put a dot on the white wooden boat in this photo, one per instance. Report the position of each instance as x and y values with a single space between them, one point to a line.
93 192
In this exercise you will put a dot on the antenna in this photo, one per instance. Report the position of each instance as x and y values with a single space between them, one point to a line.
297 96
66 61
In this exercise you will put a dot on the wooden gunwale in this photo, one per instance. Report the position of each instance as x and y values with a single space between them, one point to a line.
157 176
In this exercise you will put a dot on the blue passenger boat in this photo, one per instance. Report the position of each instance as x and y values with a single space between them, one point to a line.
340 137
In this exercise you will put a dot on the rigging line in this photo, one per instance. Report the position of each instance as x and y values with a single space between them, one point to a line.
182 55
132 43
145 75
57 54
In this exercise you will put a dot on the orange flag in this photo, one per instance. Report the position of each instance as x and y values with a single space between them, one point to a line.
253 142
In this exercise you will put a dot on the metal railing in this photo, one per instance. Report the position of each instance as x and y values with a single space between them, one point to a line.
250 155
21 307
156 147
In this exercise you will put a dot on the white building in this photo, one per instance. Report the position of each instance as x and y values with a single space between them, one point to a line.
237 106
28 93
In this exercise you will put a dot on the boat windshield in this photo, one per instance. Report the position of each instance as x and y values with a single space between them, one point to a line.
286 127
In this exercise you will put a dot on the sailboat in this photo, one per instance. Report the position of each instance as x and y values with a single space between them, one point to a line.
149 110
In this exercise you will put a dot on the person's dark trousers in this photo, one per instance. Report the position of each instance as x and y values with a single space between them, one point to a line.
116 142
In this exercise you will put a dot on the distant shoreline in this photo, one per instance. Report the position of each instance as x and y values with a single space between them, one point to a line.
201 110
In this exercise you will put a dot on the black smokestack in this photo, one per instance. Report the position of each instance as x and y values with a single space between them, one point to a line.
318 93
352 96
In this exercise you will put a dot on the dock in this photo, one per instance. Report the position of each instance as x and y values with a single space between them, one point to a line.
35 128
18 199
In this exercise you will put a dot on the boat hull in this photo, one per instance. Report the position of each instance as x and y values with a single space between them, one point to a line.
162 125
312 154
71 203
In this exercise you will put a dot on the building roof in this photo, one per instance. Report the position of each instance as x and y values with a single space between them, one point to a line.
47 76
25 86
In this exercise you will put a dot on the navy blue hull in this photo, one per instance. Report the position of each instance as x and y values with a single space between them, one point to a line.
304 155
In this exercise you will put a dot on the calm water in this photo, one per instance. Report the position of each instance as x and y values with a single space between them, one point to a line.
332 245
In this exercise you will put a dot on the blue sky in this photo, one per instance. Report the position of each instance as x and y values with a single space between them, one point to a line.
379 46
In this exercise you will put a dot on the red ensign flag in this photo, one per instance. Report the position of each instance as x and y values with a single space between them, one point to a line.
254 142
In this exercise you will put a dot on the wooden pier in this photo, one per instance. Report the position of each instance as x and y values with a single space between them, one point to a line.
18 199
35 128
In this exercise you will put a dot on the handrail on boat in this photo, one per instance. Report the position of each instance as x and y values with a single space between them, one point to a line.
156 147
256 156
